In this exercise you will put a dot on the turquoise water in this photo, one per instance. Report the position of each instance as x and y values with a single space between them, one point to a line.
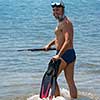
30 24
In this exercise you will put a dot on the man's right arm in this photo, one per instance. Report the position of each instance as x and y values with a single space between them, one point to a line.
50 44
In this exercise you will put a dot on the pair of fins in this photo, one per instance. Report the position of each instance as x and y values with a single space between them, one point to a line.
49 80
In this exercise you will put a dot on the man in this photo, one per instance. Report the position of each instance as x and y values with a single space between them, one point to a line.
64 46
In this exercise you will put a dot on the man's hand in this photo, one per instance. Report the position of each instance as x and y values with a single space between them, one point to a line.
56 57
47 47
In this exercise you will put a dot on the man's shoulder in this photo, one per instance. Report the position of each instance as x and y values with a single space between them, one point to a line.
68 25
67 21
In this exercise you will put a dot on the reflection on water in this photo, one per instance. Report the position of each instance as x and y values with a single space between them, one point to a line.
29 24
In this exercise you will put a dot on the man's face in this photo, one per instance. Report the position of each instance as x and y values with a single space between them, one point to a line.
57 11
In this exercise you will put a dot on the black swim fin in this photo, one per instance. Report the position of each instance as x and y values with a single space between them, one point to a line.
49 79
46 81
54 79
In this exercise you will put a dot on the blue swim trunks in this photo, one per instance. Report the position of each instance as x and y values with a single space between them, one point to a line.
69 56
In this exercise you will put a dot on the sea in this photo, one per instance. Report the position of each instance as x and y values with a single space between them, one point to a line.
27 24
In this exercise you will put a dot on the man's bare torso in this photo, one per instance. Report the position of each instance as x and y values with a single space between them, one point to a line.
61 29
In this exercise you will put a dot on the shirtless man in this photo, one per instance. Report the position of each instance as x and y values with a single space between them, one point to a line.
64 46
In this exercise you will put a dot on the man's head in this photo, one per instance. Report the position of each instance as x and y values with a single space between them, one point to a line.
58 9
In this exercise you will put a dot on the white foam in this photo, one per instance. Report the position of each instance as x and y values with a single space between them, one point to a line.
36 97
63 96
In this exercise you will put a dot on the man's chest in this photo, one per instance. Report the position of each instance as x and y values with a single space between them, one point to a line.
58 29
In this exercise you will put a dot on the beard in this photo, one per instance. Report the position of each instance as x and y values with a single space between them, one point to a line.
59 17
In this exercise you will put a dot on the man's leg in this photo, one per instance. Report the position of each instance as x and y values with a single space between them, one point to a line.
69 75
61 67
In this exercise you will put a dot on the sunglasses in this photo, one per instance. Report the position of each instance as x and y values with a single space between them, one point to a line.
56 4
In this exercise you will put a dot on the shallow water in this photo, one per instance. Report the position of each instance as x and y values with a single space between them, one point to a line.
30 24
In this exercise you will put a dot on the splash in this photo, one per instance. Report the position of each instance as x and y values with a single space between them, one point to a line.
66 96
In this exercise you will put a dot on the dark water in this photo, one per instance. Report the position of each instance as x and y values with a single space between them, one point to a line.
30 24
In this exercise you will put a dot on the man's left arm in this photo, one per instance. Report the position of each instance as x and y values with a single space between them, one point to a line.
65 44
67 38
